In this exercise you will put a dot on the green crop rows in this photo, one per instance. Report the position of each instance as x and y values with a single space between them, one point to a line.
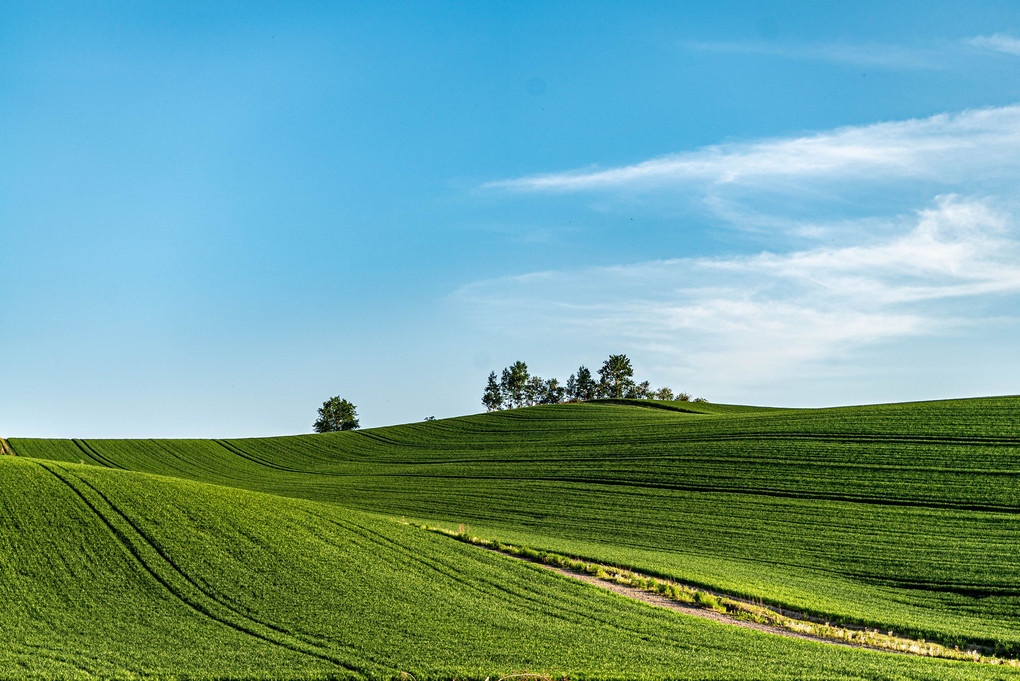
288 565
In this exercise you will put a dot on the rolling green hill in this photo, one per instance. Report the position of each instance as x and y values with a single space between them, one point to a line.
278 557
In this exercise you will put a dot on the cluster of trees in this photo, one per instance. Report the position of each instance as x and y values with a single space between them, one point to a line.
517 388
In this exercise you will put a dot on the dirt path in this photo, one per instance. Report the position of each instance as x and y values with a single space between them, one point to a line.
663 602
5 448
779 622
723 608
660 601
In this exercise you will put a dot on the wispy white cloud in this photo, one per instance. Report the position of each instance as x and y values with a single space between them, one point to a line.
998 42
754 318
956 249
868 55
944 148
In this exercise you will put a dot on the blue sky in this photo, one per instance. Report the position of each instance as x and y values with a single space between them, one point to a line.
214 216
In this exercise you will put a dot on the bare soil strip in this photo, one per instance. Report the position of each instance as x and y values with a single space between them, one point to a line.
663 602
723 608
5 448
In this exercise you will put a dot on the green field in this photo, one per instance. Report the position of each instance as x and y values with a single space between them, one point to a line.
281 557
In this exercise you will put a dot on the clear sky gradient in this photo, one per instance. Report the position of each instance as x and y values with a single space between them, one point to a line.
214 216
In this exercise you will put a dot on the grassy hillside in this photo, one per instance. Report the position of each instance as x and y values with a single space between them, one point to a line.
898 516
114 574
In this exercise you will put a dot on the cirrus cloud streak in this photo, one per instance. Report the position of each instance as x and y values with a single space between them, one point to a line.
944 148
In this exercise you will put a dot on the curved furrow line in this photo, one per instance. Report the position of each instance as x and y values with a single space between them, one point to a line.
236 451
373 538
314 642
672 459
182 587
971 440
719 489
60 657
450 569
537 603
378 437
700 435
91 453
532 596
95 452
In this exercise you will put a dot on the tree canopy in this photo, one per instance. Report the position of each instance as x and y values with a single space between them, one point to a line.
515 384
493 396
616 377
581 386
336 414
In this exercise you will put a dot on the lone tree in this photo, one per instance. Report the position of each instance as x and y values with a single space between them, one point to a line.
616 376
336 414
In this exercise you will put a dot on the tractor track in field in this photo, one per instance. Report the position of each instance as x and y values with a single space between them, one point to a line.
719 489
90 452
182 587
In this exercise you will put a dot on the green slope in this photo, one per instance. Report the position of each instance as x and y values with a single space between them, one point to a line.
114 574
898 516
